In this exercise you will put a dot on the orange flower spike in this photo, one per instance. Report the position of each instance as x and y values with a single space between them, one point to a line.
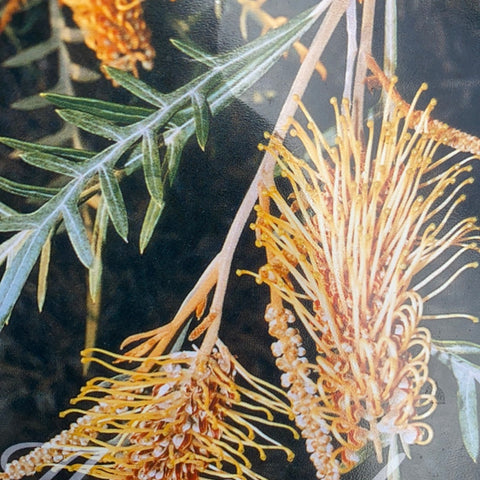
439 131
116 31
185 417
343 252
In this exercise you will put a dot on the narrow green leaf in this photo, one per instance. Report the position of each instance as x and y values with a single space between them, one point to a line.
175 140
154 212
32 54
467 409
95 273
93 124
10 247
114 200
33 102
457 347
29 191
137 87
201 115
152 168
52 163
179 341
134 160
69 153
99 236
78 234
114 112
43 273
194 52
6 211
19 221
82 74
18 271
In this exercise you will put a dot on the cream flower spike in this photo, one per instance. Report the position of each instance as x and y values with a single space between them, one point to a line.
353 250
192 416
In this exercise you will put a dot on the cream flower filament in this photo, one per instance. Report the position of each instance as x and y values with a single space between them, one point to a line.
351 250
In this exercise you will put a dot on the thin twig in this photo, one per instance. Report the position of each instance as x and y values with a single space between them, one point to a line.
352 49
264 175
365 49
304 74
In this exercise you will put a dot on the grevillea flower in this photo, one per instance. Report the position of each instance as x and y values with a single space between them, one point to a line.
351 250
116 31
184 419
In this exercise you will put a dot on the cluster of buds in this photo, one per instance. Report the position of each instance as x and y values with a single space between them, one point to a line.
302 392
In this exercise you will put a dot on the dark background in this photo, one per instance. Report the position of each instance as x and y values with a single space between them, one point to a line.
439 42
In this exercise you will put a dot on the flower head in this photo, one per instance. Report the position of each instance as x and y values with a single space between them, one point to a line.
346 249
116 31
186 418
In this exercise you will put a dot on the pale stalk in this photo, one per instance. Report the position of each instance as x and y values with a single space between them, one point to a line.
352 49
390 41
264 175
365 50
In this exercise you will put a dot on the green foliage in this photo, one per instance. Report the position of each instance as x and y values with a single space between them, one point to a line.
136 134
68 70
466 374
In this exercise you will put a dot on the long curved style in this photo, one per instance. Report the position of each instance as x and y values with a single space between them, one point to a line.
352 250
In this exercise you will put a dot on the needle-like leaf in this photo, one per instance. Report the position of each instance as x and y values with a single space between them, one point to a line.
32 54
29 191
114 200
93 124
78 234
152 168
52 163
99 236
176 117
43 272
194 52
137 87
154 211
114 112
28 147
201 116
466 374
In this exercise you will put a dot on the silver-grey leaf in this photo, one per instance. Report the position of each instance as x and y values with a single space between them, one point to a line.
77 234
114 200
